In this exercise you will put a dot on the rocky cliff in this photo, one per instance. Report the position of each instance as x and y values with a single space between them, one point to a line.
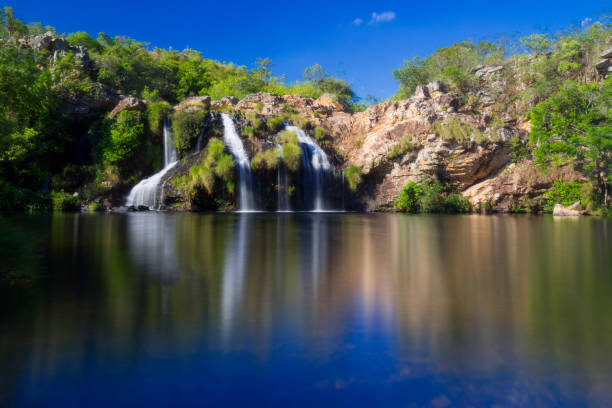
434 134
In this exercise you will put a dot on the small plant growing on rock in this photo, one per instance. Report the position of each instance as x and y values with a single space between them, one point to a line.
254 120
291 156
320 134
215 164
352 174
276 124
454 128
156 113
286 107
267 160
401 148
249 132
288 137
291 151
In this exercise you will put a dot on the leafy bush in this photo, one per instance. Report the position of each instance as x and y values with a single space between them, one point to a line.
430 197
352 174
187 126
408 200
65 202
566 193
455 203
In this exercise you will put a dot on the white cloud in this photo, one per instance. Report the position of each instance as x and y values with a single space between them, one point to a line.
357 21
383 17
586 21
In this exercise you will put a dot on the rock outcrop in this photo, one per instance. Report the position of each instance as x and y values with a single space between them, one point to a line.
55 47
129 103
604 67
396 142
194 103
517 187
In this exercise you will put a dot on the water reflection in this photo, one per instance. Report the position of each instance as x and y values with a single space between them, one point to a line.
152 246
359 310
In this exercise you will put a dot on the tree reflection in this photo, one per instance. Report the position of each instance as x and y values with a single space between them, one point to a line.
508 310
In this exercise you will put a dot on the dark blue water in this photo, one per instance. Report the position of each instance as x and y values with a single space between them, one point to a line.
305 310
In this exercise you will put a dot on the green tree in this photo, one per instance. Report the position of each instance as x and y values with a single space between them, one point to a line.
574 126
10 26
536 43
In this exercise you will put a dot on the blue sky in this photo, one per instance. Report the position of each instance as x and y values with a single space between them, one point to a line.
361 41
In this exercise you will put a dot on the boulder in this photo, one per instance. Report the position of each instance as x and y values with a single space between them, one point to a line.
226 101
330 101
57 47
129 103
606 54
435 88
421 92
573 210
262 102
101 99
194 103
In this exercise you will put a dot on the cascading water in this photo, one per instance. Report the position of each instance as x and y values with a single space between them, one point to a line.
283 185
234 144
145 192
315 164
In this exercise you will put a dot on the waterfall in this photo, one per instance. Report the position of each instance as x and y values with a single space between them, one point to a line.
283 185
170 153
234 143
145 192
316 166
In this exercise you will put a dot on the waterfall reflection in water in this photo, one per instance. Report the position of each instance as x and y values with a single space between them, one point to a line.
348 309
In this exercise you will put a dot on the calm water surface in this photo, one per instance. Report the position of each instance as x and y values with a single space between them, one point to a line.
305 310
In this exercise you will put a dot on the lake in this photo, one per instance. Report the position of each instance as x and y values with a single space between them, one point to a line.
305 309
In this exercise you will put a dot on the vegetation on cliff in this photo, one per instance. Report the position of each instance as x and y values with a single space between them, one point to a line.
551 80
41 135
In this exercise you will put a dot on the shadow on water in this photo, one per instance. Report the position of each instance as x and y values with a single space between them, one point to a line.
307 309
